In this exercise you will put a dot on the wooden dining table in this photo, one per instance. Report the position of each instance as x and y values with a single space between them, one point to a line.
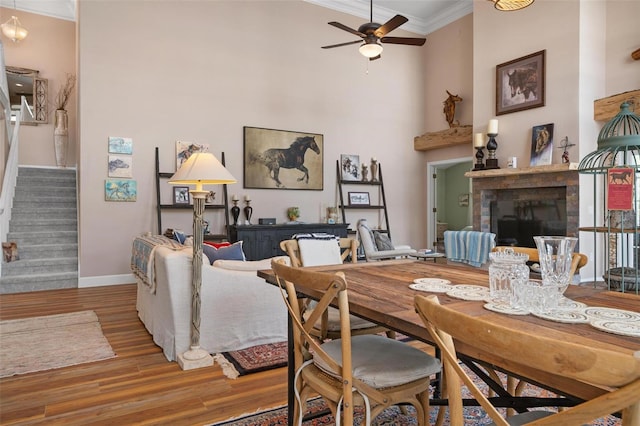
380 292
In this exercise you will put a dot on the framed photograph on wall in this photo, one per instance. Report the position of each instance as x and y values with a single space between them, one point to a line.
118 145
350 166
283 159
541 144
181 195
359 199
520 83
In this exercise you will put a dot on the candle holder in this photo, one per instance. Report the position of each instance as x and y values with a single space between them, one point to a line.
479 157
492 145
248 210
235 212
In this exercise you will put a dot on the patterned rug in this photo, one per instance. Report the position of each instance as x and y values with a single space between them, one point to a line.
52 341
253 359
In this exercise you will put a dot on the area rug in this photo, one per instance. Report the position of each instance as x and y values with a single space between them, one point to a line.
52 341
253 359
393 415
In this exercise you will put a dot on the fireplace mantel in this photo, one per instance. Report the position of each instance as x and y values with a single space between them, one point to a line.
552 168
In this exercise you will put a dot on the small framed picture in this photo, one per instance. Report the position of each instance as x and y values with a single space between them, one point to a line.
359 199
210 198
541 144
350 167
181 195
463 200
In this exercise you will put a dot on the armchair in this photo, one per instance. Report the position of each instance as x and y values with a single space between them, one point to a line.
372 251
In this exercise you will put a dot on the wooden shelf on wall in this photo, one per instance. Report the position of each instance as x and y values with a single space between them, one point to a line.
606 108
442 139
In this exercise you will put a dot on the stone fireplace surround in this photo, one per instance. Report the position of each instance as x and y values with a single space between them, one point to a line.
487 185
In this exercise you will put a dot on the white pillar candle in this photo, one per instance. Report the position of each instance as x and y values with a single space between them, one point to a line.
492 129
478 140
234 197
247 198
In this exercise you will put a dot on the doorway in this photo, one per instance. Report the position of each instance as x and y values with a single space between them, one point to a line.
449 201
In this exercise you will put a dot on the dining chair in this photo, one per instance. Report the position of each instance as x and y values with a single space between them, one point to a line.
597 366
328 326
578 260
369 371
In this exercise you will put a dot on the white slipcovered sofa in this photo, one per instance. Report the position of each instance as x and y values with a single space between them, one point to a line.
238 309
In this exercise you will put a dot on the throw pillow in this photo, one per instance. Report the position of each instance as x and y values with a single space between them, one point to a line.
232 252
383 242
179 236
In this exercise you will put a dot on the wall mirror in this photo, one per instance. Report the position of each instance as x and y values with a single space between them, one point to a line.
27 82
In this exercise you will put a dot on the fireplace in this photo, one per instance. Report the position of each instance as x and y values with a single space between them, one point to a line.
517 204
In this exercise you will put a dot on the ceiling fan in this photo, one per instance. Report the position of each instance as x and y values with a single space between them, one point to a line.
373 34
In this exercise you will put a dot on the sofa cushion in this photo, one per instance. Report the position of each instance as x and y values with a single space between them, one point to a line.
383 242
232 252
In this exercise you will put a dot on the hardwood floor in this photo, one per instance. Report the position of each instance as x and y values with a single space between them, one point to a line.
139 386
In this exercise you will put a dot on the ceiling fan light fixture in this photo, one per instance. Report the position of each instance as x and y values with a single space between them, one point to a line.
511 5
14 30
370 49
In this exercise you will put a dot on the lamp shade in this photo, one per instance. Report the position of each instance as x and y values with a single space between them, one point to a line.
14 30
510 5
202 168
370 50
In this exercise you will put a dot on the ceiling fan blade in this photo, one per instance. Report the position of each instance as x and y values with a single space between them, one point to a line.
413 41
347 29
390 25
342 44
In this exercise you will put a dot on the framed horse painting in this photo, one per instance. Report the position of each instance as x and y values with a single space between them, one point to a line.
283 159
520 83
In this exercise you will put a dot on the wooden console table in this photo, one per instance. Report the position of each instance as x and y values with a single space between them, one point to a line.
263 241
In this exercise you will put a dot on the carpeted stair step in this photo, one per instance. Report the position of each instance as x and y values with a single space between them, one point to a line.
43 201
46 181
42 225
38 282
22 215
46 172
47 251
47 237
39 266
30 192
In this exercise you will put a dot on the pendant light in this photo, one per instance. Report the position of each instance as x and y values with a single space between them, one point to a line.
13 29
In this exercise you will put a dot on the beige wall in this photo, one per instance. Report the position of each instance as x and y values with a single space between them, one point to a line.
51 49
200 71
218 73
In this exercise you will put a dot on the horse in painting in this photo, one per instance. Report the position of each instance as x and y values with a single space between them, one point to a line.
289 158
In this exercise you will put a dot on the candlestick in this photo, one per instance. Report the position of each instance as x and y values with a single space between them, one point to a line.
492 146
478 140
479 156
492 128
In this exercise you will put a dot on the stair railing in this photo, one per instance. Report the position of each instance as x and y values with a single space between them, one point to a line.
10 175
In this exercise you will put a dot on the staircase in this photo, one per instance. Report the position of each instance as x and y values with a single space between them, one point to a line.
45 227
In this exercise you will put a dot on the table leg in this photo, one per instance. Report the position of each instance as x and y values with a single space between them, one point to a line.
291 373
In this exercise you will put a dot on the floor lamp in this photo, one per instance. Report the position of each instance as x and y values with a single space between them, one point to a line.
201 168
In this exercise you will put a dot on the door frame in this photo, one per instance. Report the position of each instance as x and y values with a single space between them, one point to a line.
432 193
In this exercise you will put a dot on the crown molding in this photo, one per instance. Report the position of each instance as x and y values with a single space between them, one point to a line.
381 14
60 9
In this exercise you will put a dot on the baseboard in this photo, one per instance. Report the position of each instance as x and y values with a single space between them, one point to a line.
102 280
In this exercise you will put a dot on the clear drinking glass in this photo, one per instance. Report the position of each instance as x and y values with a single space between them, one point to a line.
506 268
555 260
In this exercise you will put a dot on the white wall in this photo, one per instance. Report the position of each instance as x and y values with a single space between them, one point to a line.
200 71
